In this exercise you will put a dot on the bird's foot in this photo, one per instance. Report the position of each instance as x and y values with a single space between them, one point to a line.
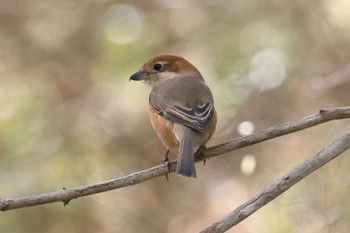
166 163
200 152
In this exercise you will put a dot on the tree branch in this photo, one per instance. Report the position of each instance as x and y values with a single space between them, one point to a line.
68 194
281 185
320 117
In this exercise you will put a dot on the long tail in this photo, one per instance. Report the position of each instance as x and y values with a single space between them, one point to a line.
185 161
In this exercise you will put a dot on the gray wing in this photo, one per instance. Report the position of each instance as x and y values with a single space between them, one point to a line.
186 101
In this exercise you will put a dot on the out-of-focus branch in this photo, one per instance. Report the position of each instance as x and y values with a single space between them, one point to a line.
68 194
281 185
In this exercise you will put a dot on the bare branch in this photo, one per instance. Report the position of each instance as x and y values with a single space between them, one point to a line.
281 185
322 116
68 194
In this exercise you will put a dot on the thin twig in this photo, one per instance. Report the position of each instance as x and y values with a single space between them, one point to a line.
281 185
68 194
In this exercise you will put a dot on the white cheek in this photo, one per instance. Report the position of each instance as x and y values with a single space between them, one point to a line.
167 75
163 77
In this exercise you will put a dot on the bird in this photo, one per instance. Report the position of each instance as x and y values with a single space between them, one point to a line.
181 107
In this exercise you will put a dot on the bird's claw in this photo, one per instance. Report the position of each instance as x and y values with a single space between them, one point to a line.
167 164
200 152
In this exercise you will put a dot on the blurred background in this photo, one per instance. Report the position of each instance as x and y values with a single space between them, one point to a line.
68 114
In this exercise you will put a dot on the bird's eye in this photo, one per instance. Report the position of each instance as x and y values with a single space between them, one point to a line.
157 66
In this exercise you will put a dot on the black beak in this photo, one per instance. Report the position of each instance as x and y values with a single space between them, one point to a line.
138 76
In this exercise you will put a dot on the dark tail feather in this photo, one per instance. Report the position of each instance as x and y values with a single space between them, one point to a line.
185 160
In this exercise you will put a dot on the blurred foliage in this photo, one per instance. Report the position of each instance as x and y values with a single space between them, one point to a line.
69 116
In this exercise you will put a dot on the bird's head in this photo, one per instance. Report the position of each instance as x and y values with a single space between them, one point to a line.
160 68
